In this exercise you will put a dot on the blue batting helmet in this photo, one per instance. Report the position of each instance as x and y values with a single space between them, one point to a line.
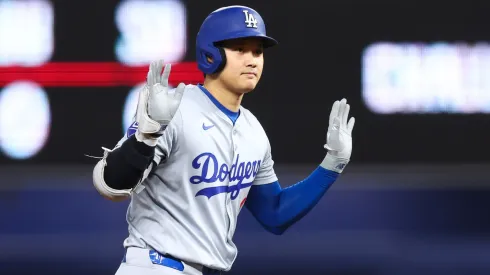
225 24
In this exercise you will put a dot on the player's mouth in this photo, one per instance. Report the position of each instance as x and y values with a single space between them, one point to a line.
250 74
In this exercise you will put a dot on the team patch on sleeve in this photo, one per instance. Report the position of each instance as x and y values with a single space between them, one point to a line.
132 129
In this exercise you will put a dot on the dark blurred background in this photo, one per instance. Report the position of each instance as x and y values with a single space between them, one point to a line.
413 200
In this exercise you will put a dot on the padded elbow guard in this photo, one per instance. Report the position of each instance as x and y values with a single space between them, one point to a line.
121 171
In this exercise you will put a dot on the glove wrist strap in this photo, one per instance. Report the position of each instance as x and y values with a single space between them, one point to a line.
148 141
334 163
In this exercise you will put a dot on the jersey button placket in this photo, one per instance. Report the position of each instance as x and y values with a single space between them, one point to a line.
234 147
234 138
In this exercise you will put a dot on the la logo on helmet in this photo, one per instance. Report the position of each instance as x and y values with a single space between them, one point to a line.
250 19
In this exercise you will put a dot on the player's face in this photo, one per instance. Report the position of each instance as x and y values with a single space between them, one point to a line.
244 64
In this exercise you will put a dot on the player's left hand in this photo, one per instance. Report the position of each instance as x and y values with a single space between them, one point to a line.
339 135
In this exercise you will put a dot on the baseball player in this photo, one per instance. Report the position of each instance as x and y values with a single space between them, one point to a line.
194 157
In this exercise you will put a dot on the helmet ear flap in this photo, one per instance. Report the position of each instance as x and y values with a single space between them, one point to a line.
206 52
223 59
210 59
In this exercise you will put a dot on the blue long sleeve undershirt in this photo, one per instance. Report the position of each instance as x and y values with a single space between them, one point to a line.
276 209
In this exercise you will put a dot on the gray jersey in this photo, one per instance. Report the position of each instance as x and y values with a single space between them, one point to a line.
206 166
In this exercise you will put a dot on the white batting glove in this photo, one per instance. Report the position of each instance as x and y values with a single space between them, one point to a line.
339 137
157 105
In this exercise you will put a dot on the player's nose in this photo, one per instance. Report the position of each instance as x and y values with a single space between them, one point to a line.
252 64
251 60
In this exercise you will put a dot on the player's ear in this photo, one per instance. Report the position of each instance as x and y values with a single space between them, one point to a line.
209 58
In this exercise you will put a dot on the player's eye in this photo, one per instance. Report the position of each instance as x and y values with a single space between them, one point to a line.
259 51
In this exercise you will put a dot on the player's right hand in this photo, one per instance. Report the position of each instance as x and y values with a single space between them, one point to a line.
157 103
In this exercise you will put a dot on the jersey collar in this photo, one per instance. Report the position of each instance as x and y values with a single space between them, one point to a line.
230 114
